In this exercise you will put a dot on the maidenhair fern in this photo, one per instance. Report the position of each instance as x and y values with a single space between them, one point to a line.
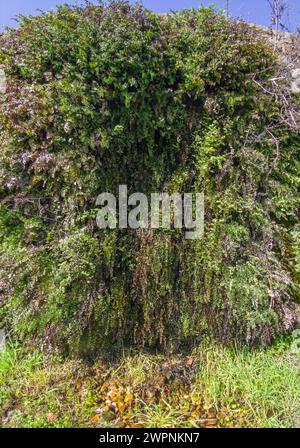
99 96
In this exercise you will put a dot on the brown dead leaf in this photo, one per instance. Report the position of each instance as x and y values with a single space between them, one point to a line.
190 361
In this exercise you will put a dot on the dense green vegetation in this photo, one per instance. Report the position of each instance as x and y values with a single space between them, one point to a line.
109 95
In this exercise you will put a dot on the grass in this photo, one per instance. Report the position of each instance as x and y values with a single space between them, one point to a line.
37 391
137 368
214 386
267 382
160 415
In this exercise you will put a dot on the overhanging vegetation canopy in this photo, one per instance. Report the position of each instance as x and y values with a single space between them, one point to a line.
99 96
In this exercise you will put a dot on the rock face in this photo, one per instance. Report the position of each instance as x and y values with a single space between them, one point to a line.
296 81
2 81
287 45
2 340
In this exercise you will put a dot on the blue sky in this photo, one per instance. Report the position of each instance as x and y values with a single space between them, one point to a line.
251 10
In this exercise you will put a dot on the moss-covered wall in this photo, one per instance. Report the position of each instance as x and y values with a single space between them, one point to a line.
101 96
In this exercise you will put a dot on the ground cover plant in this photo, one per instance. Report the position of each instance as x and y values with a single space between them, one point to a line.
212 387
